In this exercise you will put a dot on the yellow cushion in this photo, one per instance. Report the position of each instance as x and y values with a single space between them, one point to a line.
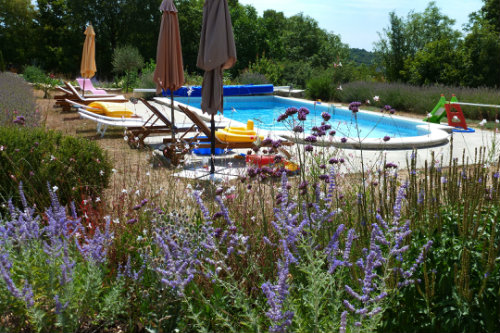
111 109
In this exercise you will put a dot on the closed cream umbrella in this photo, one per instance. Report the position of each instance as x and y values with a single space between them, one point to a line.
217 52
88 67
169 71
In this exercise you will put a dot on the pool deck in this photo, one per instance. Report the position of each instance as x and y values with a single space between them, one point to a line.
464 144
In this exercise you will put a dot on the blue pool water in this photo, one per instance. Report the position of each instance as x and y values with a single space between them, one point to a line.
264 110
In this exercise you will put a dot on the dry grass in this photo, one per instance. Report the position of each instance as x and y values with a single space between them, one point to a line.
134 169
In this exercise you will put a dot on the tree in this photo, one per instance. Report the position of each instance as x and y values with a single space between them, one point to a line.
128 60
246 35
17 29
272 24
423 34
437 62
190 13
391 49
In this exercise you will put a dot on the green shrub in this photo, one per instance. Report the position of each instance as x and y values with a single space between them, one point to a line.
320 87
252 78
127 59
40 80
145 79
75 167
271 70
34 74
296 73
193 79
17 100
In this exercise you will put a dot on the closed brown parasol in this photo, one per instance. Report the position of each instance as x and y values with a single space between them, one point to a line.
217 52
87 66
169 72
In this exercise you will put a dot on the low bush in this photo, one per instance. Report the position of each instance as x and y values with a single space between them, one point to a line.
55 276
272 70
17 101
252 78
296 73
421 100
40 80
320 87
74 167
34 74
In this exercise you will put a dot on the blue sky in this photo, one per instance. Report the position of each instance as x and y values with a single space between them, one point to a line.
358 21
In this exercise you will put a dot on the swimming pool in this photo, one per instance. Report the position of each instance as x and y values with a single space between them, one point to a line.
366 128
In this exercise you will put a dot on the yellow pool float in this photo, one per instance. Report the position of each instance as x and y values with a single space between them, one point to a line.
238 134
110 109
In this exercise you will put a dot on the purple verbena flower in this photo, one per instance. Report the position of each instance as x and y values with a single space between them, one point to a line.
354 106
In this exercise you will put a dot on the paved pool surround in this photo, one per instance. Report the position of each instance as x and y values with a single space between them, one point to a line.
428 134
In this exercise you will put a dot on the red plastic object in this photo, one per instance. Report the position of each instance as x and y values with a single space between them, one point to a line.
453 110
260 160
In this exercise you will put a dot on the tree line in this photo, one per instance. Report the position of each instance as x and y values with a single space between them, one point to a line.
421 48
424 49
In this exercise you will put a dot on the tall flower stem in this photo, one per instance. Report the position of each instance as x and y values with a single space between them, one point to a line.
363 199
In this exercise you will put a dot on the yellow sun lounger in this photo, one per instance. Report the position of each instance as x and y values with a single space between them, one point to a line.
111 109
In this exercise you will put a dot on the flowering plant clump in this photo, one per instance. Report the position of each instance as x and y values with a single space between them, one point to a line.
17 102
44 266
354 106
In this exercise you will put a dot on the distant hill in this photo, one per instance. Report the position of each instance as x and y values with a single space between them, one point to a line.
361 56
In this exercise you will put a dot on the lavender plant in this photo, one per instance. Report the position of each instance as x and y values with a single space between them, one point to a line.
52 271
17 102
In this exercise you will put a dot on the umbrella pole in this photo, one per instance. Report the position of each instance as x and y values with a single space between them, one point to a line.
83 92
212 150
172 114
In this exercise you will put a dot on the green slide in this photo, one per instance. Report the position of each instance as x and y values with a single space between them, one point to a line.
439 112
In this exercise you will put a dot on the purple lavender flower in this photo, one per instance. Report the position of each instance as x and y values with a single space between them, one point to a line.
276 295
132 221
96 248
276 143
311 138
354 106
282 117
302 114
267 141
325 178
343 322
304 110
390 165
20 120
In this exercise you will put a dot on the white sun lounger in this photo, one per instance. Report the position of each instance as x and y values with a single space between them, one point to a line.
137 126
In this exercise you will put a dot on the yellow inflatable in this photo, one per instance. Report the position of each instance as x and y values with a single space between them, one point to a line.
238 134
110 109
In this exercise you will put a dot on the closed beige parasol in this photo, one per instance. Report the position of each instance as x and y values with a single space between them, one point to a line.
169 72
217 52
